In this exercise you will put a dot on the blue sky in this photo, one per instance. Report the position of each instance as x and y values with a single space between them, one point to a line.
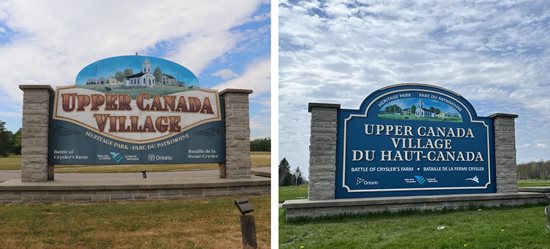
225 44
496 54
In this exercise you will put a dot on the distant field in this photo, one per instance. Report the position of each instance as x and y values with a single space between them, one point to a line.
533 183
13 162
211 223
518 227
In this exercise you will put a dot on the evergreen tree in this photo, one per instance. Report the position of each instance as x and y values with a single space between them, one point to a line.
298 178
6 140
17 137
285 177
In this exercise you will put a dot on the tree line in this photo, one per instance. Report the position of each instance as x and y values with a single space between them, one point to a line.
534 170
286 177
9 142
260 144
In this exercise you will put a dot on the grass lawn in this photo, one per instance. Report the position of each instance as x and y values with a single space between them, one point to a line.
520 227
533 183
292 192
13 162
212 223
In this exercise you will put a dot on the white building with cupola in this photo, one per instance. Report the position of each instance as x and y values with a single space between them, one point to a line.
144 78
422 112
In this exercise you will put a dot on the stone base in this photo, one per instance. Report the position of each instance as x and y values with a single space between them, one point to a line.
313 209
13 191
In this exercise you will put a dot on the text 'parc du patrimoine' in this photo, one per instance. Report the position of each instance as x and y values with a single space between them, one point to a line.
73 102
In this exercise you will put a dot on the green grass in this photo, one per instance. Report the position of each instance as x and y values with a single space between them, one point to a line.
13 162
520 227
533 183
212 223
292 192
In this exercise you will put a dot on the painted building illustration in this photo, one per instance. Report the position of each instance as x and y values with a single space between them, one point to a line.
145 78
422 112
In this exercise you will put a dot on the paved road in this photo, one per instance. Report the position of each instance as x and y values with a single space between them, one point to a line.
111 177
9 174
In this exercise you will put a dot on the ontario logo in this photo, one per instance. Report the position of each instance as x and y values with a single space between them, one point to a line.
117 157
420 179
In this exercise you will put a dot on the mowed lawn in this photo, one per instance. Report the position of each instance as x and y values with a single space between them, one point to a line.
520 227
211 223
13 162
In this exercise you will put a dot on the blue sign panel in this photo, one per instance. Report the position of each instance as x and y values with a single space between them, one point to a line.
136 110
414 139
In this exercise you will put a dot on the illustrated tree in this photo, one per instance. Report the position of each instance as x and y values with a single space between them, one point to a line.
6 140
119 76
413 108
158 74
127 72
392 109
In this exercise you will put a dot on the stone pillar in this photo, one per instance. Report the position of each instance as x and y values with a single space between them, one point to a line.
322 151
505 152
34 147
237 134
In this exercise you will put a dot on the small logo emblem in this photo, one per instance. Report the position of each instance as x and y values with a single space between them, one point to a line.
420 179
117 157
151 157
475 179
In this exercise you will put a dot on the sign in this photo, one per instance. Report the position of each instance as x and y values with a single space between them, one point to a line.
414 139
136 110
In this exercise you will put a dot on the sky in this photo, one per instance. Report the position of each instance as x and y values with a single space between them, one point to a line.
226 44
496 54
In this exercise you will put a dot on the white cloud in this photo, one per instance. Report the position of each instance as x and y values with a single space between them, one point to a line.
225 74
53 40
541 145
257 76
494 53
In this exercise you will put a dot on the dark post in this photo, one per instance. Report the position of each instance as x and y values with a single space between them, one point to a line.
248 230
248 224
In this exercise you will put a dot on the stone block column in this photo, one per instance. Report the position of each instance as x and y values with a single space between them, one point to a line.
505 152
237 134
322 151
34 147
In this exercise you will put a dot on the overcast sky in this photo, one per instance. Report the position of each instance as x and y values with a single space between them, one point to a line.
225 43
494 53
